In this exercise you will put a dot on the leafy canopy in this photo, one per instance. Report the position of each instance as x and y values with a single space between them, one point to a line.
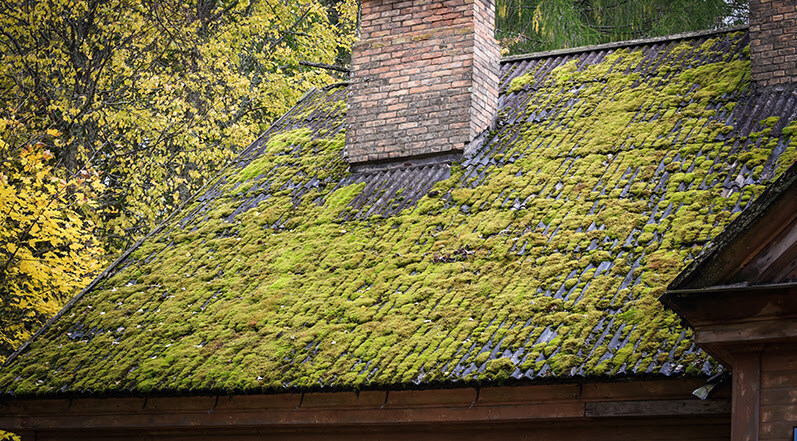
537 25
155 96
47 249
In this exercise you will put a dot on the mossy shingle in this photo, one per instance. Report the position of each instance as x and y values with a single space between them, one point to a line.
539 257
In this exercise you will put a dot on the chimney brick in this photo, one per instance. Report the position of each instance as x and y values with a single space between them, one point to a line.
773 36
424 78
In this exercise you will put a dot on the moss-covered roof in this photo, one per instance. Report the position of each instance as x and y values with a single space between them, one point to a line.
539 257
719 262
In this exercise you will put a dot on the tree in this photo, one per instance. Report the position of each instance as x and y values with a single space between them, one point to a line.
156 96
147 98
536 25
47 250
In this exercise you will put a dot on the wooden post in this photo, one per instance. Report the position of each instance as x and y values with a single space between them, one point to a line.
746 396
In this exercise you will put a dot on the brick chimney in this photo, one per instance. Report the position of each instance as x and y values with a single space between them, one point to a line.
773 42
424 80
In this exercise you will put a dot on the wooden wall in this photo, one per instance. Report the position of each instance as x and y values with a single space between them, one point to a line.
656 410
622 429
778 411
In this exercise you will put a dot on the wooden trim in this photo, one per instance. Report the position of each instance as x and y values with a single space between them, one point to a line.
734 304
748 332
657 408
729 319
746 396
776 260
676 428
494 406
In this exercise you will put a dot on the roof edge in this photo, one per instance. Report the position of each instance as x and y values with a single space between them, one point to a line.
622 44
387 386
296 412
754 212
107 271
670 293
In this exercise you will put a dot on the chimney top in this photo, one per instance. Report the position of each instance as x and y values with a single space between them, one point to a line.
773 33
424 80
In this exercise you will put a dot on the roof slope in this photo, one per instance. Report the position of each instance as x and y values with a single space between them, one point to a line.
538 258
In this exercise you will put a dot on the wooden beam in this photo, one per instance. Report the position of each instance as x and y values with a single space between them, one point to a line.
494 406
766 260
658 408
734 304
747 332
746 396
662 429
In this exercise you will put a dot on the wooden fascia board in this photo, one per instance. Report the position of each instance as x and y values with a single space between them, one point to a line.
755 332
656 408
496 405
773 261
726 320
718 305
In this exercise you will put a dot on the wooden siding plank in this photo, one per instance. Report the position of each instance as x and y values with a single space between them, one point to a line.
774 379
779 358
780 431
651 408
779 413
780 395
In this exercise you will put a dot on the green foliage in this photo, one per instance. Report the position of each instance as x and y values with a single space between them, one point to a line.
157 96
47 250
537 25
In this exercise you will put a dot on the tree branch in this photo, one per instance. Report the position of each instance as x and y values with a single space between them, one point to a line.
325 66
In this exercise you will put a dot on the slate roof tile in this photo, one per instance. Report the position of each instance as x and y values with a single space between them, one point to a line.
538 258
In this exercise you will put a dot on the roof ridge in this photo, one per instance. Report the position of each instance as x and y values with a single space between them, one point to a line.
622 44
